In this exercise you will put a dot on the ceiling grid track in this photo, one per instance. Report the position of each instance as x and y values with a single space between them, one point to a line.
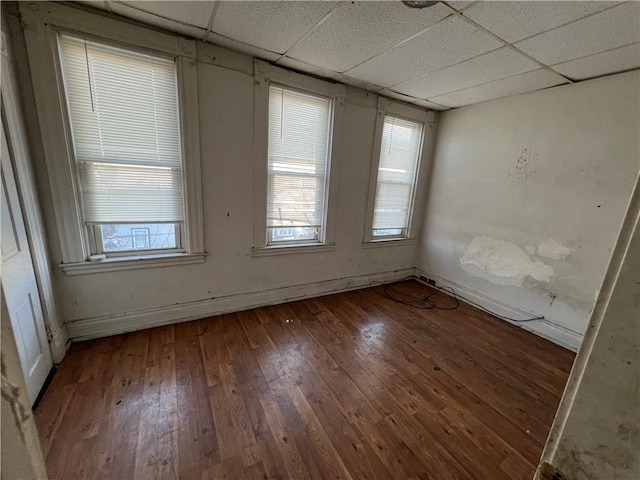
505 36
320 22
214 11
398 44
444 68
504 42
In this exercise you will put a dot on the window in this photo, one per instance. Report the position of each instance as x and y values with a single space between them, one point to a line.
117 106
118 238
298 121
400 149
123 113
298 157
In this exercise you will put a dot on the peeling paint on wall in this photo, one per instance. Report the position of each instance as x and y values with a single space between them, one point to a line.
502 263
554 250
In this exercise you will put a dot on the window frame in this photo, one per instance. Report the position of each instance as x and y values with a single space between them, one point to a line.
43 24
397 110
323 227
264 76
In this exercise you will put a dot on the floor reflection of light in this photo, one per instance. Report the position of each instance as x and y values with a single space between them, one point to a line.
289 358
372 335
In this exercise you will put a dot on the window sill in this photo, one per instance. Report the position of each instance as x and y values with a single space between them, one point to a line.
115 264
292 249
390 242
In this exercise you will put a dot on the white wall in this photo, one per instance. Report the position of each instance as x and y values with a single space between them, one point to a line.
522 241
596 432
537 236
104 303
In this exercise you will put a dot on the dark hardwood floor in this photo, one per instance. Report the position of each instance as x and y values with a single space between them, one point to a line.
352 385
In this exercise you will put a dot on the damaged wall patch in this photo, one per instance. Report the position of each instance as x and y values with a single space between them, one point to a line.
501 262
553 250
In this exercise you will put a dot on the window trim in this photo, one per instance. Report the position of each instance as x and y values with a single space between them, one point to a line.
265 75
133 262
43 22
386 106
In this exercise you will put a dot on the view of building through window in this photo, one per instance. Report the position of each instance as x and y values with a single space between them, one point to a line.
125 237
298 159
399 154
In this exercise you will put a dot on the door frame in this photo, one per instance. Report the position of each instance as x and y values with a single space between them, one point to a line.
17 141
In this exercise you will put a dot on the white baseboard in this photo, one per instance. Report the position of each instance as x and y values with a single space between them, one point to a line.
543 328
107 325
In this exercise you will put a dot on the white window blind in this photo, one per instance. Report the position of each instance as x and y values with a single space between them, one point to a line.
124 119
298 157
399 152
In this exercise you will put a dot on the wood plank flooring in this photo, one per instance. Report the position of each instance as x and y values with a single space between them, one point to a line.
352 385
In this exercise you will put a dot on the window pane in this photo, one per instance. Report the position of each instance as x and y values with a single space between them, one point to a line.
128 237
123 110
293 234
388 232
399 154
298 158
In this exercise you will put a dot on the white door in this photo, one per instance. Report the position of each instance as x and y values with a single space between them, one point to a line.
19 284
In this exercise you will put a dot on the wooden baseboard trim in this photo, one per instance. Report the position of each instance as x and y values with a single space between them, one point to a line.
543 328
104 326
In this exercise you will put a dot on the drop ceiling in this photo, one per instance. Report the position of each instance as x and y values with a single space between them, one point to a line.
452 54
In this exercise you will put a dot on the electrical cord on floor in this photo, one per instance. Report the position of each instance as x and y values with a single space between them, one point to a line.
427 302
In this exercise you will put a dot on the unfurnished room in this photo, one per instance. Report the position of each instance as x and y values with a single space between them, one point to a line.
288 239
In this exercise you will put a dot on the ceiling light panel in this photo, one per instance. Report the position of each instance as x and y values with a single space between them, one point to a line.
491 66
193 13
357 31
616 27
446 43
611 61
523 83
272 25
513 21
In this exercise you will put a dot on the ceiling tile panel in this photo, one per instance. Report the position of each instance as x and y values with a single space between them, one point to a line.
272 25
157 21
356 82
611 61
294 64
396 95
513 21
242 47
612 28
492 66
193 13
460 5
431 105
446 43
525 82
357 31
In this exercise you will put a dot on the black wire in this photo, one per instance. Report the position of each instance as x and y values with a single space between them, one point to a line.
426 302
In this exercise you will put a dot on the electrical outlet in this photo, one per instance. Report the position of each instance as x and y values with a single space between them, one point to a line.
428 281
